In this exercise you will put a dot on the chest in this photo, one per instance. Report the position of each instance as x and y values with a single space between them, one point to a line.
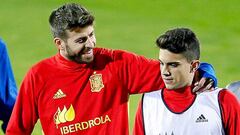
203 117
80 97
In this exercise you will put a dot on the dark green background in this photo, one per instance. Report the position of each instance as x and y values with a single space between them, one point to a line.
131 25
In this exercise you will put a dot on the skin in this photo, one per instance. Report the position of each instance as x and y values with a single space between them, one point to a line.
176 71
78 45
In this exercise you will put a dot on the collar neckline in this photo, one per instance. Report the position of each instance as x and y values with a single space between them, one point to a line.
68 64
183 92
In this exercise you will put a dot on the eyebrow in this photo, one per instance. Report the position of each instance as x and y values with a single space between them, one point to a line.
91 32
169 62
177 63
83 37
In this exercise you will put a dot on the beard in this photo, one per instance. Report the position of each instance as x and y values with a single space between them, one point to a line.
78 57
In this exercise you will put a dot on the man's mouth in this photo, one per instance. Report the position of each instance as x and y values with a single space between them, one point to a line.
168 80
88 51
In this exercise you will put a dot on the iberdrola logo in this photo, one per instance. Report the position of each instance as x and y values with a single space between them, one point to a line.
65 115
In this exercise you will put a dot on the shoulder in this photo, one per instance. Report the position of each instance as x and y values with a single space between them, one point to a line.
153 94
226 96
112 52
43 66
122 57
230 109
110 55
211 93
38 74
221 93
228 103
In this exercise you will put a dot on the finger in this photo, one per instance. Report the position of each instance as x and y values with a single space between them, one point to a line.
212 87
205 84
207 88
210 79
196 83
195 88
199 84
202 82
208 83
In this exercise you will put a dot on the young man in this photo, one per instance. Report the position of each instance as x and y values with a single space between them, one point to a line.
82 89
235 88
8 88
175 110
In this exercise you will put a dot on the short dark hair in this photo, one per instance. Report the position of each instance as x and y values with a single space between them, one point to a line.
68 17
180 40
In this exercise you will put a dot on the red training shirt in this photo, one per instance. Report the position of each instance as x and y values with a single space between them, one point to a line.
89 99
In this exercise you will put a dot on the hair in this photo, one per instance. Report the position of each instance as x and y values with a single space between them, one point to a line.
180 40
69 17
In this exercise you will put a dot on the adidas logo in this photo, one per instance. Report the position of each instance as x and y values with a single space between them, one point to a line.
201 118
59 94
166 133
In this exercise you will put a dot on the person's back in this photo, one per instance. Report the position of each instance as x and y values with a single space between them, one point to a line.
8 89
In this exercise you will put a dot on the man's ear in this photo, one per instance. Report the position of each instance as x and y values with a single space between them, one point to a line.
59 43
194 65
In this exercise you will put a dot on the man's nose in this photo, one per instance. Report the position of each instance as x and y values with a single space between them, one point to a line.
165 71
90 43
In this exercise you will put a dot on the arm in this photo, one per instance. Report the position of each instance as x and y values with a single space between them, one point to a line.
8 88
25 112
137 73
230 109
140 74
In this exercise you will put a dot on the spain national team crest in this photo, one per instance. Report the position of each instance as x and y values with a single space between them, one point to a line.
96 82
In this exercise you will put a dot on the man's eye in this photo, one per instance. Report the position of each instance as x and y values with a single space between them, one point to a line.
91 34
82 40
173 65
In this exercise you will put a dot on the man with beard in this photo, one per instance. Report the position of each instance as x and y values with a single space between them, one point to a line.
82 89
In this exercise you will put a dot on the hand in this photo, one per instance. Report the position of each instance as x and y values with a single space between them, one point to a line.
205 84
202 84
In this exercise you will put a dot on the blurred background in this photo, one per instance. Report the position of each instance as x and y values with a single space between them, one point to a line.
131 25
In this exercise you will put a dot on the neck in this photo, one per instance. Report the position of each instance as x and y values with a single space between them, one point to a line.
62 54
181 92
